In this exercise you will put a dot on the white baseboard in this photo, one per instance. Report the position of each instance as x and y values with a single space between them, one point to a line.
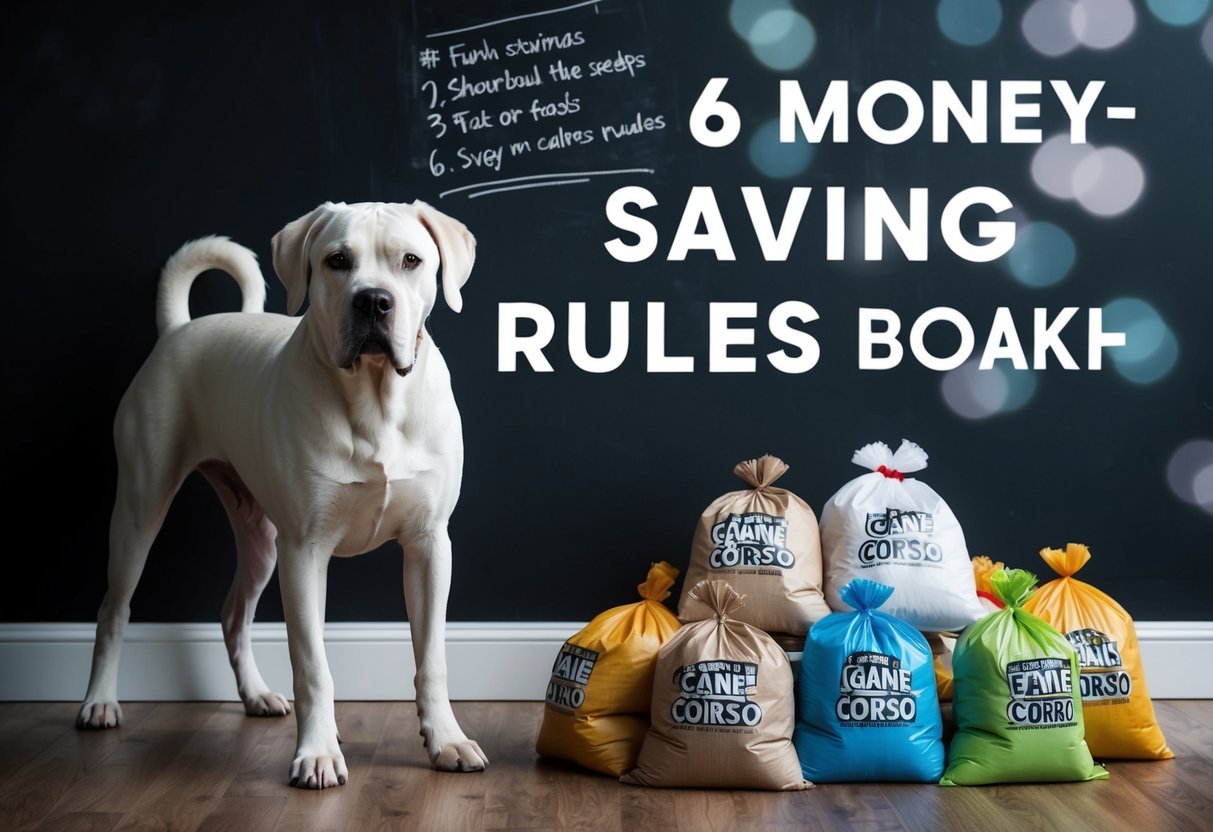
487 661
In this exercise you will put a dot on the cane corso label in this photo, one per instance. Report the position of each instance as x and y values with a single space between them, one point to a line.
570 675
875 692
1042 693
1103 679
716 694
901 537
751 540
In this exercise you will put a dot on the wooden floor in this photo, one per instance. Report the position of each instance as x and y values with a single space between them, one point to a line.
207 766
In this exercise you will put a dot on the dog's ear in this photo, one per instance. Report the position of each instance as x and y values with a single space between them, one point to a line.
456 247
292 246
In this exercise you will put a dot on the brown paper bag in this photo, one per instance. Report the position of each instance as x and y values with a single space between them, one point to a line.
764 542
722 711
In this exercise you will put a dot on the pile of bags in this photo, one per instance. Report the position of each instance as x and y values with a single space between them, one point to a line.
1037 680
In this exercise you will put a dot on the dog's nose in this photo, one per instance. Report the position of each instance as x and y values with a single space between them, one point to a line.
373 303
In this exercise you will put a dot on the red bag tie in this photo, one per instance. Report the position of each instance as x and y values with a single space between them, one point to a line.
989 596
891 474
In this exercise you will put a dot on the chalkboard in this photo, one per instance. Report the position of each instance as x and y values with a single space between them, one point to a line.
130 130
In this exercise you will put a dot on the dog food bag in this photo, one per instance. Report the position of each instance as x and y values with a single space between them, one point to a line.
942 647
983 568
1016 705
886 527
597 703
764 541
1116 705
944 644
722 707
865 702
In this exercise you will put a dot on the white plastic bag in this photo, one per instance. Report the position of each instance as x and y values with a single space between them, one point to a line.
889 528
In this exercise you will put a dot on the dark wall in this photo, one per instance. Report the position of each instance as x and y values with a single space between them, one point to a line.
129 131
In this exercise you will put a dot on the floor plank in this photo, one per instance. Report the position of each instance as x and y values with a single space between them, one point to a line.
864 809
244 814
143 749
393 784
1200 710
206 766
32 788
1192 742
189 789
82 822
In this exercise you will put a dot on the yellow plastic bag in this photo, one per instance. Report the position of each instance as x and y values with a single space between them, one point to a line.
1116 705
597 708
983 568
942 647
944 644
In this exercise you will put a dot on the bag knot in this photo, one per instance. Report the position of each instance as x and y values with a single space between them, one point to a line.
762 472
891 473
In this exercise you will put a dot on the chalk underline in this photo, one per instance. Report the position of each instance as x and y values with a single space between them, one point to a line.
511 19
530 185
580 173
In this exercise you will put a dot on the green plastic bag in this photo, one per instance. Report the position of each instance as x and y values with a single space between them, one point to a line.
1016 699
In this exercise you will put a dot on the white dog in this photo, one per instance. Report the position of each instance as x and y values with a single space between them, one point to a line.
324 435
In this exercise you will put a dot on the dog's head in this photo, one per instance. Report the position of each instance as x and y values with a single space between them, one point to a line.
370 272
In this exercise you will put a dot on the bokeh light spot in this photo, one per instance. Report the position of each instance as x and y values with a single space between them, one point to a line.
1190 473
1202 486
1109 181
973 393
775 159
1021 385
743 14
782 39
969 22
1150 349
1048 27
1102 24
1206 39
1042 256
1055 163
1179 12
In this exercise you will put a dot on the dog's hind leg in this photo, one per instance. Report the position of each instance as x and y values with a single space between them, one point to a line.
256 556
147 481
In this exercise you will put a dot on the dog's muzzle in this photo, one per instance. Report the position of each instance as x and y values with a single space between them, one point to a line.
370 330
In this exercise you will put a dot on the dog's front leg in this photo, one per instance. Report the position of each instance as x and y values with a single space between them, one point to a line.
427 582
303 572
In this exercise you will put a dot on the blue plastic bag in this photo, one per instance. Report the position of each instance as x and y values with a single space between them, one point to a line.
866 706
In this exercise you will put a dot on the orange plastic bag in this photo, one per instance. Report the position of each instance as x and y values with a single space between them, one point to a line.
1116 705
597 708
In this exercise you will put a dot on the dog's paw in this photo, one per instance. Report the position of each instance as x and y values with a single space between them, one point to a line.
99 715
267 704
459 755
319 772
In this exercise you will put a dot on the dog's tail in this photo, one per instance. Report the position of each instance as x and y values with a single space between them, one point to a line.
191 260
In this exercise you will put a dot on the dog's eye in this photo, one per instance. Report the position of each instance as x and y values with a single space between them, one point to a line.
411 261
339 261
